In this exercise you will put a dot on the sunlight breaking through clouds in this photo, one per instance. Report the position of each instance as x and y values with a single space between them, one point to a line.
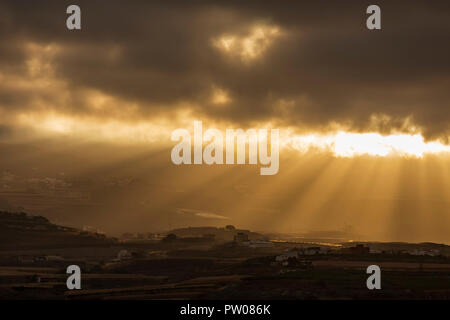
340 144
250 46
347 144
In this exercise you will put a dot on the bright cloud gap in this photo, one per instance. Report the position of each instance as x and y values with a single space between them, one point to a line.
339 143
347 144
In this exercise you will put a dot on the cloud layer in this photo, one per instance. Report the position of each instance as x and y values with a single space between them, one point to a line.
303 64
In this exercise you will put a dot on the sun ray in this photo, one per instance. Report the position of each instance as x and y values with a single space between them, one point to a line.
264 196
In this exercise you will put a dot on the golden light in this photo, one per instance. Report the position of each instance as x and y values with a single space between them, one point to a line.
93 129
340 144
347 144
250 46
220 96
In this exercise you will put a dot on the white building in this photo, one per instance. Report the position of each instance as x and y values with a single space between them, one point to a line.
432 253
287 255
124 255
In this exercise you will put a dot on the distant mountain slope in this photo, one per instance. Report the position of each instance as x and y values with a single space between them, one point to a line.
21 231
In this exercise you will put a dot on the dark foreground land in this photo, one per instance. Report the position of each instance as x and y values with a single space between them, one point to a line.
199 278
193 268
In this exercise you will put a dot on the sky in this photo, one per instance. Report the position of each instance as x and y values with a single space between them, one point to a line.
86 116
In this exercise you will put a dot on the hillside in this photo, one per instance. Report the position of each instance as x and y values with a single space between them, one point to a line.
23 231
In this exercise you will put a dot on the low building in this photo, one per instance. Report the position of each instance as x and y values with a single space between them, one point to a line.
285 256
418 252
434 252
124 255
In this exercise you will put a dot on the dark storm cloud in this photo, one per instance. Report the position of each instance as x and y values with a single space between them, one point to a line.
326 65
